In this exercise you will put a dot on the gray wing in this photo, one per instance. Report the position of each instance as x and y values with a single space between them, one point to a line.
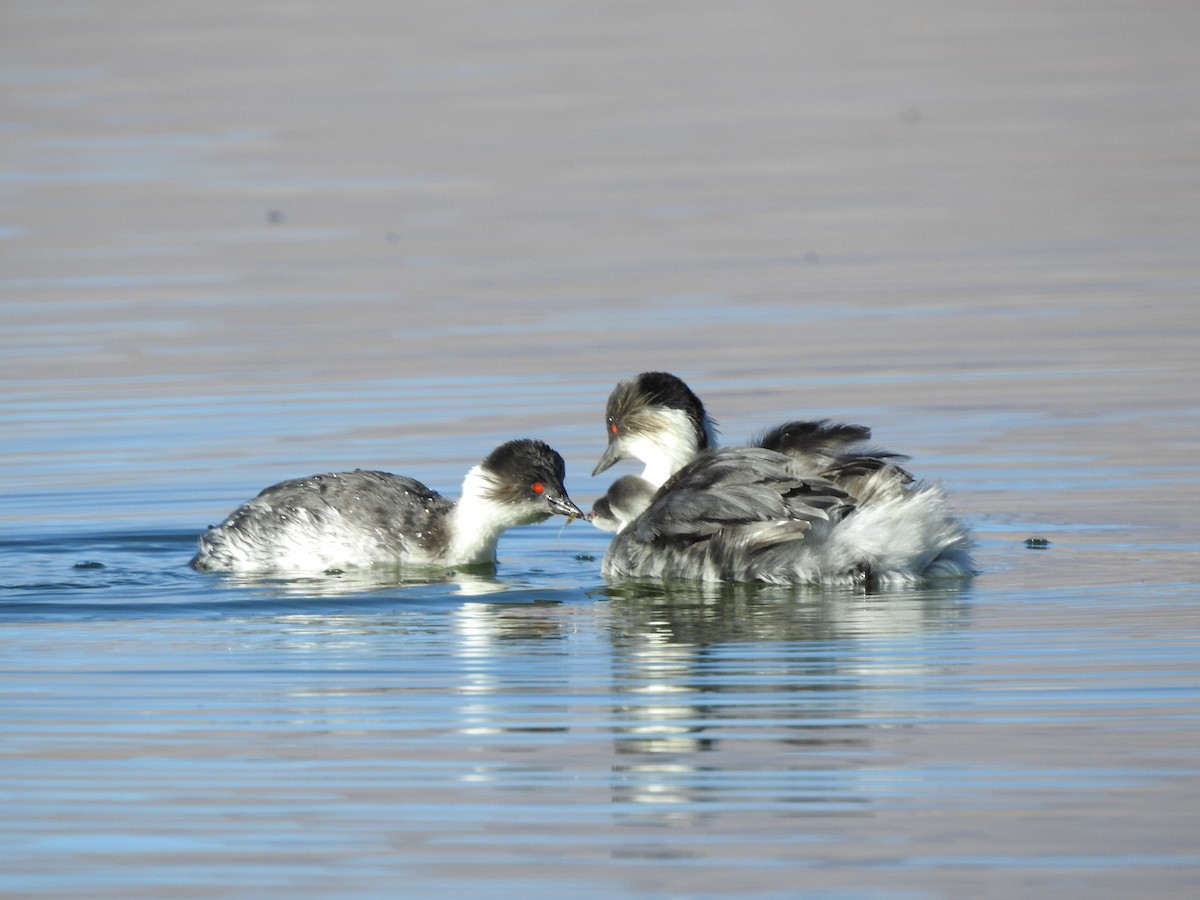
870 476
833 450
726 516
819 441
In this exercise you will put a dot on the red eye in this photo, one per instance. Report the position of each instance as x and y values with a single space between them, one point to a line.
537 487
612 426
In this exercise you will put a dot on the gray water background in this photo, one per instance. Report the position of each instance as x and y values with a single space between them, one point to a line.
241 242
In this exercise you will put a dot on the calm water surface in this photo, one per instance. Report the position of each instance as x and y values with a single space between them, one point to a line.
249 241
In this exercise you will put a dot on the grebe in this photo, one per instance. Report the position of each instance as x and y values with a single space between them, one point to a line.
622 503
807 503
361 518
658 420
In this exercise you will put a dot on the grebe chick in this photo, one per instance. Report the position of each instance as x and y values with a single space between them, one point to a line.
362 518
741 514
622 503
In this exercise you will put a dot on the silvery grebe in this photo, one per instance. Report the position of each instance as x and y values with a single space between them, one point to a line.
658 420
361 518
829 509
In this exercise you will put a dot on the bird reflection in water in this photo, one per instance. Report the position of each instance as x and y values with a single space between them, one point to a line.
757 695
497 697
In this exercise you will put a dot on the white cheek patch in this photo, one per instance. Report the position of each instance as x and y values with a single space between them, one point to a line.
663 439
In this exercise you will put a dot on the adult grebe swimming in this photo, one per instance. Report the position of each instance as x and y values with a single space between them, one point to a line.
657 419
364 518
808 503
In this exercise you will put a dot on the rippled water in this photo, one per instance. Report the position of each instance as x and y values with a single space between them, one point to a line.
543 731
256 241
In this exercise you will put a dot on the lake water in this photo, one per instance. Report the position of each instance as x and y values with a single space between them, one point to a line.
242 242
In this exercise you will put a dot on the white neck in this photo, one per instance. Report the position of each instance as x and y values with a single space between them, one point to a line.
668 445
477 521
661 467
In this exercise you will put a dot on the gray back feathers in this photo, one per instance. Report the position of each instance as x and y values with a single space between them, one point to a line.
730 515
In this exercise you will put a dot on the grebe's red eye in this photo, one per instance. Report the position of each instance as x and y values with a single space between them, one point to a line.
612 426
537 487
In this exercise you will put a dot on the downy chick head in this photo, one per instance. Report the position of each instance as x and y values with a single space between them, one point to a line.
625 500
655 418
525 477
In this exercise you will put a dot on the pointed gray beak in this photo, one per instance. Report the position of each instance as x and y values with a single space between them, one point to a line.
611 456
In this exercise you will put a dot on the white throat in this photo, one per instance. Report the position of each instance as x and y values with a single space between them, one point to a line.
666 442
476 522
478 519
